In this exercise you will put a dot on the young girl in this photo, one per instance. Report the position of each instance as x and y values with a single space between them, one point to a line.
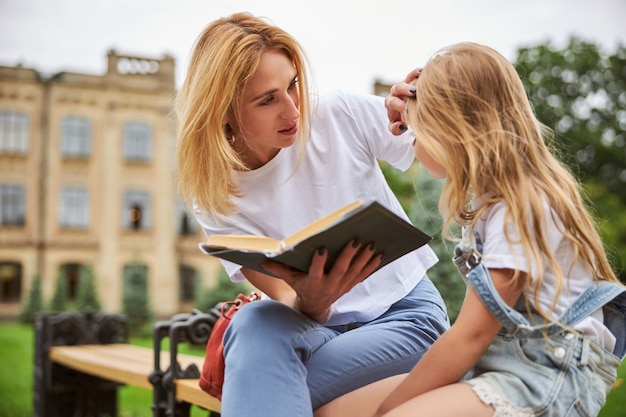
541 331
256 155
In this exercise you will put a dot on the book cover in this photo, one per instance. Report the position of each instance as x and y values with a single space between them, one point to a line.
391 234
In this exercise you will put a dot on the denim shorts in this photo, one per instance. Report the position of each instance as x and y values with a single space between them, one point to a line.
565 375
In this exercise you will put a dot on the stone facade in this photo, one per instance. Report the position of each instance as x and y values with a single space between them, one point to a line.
87 180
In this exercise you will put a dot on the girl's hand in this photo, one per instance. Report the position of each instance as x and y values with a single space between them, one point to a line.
316 291
395 102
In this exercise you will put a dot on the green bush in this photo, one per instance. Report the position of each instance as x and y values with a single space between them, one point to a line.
224 290
59 301
424 213
87 296
135 302
34 304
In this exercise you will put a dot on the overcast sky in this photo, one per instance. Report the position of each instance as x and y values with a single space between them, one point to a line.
350 43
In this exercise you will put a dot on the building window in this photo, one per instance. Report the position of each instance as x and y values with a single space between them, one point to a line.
12 205
137 141
188 283
10 282
75 137
13 132
185 223
136 215
70 272
74 208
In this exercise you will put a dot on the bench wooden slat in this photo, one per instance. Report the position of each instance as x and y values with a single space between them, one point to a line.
129 364
121 363
188 390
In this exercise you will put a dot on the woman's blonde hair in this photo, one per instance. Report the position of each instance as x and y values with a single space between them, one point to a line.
225 57
472 115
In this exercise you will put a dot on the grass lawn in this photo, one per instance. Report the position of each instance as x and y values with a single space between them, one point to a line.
16 379
16 371
16 376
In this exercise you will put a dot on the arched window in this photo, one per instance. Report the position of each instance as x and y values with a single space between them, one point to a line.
10 282
71 273
188 283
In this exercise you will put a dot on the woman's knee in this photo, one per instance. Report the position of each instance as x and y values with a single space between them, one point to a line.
268 315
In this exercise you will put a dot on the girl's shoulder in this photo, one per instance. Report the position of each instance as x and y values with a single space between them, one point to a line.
495 223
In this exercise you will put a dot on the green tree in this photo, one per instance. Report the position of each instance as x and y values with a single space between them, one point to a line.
34 304
135 301
223 290
87 295
61 295
610 212
424 213
580 93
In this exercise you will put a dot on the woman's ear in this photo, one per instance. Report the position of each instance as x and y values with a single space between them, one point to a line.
229 118
227 126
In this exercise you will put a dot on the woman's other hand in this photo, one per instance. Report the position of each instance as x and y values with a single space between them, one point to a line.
395 102
317 291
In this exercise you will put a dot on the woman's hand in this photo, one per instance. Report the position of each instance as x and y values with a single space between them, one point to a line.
395 102
316 291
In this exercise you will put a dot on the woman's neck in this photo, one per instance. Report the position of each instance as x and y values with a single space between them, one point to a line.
254 158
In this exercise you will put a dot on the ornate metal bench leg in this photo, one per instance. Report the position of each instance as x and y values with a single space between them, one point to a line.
159 377
194 328
60 391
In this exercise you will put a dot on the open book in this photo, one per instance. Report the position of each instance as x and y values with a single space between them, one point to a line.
392 236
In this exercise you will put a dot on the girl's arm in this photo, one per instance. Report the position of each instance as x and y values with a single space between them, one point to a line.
459 348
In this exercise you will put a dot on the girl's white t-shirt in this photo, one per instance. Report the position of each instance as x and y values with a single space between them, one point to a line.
340 164
499 253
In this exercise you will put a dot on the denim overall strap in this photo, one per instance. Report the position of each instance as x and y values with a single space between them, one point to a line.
611 296
600 293
468 261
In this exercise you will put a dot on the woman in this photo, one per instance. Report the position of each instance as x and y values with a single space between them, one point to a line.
257 156
542 330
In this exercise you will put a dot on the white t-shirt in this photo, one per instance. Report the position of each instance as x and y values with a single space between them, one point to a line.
349 133
497 253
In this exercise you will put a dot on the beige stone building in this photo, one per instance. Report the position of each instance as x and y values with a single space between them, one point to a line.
86 179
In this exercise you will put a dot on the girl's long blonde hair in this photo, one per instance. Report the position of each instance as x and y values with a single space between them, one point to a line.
472 115
225 57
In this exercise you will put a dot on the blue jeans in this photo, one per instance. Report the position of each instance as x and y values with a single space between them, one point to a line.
281 363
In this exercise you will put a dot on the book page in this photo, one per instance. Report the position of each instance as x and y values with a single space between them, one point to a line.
321 224
243 242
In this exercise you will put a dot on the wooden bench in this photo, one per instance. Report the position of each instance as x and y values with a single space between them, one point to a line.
131 365
83 358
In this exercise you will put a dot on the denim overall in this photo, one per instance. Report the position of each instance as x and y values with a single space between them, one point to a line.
541 368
